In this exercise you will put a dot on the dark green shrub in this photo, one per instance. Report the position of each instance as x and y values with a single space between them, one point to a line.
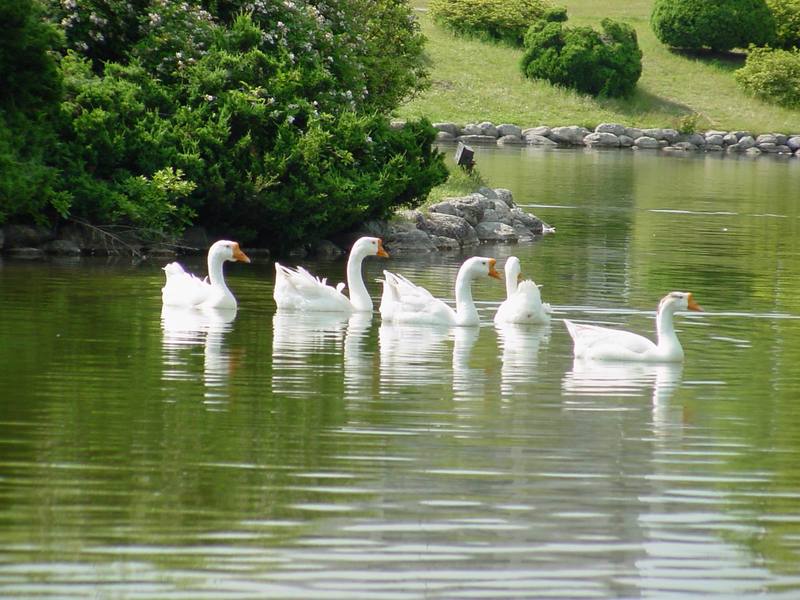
716 24
505 20
787 22
607 64
773 75
30 89
258 130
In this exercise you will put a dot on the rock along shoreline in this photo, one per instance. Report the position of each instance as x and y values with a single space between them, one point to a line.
615 135
488 215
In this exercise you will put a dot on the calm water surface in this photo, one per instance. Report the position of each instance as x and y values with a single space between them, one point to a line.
150 455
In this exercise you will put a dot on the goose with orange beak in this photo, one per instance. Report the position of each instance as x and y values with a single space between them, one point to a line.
603 343
298 290
406 302
187 290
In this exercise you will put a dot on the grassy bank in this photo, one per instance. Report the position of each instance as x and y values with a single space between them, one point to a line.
475 81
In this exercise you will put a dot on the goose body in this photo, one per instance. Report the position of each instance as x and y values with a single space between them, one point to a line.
405 302
187 290
603 343
523 303
298 290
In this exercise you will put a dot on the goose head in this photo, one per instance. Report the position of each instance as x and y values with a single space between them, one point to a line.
675 301
481 266
369 246
513 269
226 250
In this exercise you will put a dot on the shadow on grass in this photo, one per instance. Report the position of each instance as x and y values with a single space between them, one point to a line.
645 103
725 61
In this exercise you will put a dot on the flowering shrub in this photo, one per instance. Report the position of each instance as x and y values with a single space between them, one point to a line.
262 119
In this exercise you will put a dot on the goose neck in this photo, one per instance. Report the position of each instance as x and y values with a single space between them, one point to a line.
359 296
215 275
665 328
466 312
511 285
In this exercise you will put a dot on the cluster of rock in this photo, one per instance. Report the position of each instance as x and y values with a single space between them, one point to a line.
489 215
614 135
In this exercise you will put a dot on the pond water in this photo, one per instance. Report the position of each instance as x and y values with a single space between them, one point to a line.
184 455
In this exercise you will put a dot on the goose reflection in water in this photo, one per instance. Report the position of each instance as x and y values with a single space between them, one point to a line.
185 329
306 346
601 378
415 355
519 346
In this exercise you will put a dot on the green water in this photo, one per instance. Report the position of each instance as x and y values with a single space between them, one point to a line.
188 455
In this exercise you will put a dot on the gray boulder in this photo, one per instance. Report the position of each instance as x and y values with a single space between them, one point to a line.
604 140
451 226
633 132
326 249
488 193
471 129
766 138
25 252
534 139
444 136
488 128
730 139
693 138
625 141
715 140
647 142
533 224
740 134
26 236
540 130
506 129
745 142
571 135
510 140
614 128
410 239
494 231
506 196
754 151
450 128
477 139
714 148
792 142
62 248
469 208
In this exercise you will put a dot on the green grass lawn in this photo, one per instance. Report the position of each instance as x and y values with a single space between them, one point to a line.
474 81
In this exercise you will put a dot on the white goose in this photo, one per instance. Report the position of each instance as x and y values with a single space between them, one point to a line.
185 289
602 343
405 302
297 289
523 303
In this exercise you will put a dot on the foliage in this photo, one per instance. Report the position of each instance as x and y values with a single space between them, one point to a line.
773 75
607 64
504 20
275 158
30 87
720 25
787 22
262 119
688 123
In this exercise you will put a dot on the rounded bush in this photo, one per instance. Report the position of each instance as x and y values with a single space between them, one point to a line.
607 64
773 75
787 22
504 20
719 24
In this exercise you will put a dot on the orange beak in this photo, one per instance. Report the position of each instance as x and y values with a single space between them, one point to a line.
492 271
239 255
692 305
381 250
